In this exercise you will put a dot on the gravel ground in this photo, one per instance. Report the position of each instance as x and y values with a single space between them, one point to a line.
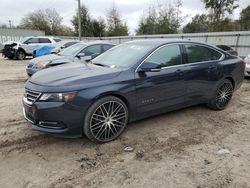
178 149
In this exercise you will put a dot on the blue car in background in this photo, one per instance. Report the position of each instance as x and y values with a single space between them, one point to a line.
129 82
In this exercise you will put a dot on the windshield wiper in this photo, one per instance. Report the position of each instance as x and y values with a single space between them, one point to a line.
100 64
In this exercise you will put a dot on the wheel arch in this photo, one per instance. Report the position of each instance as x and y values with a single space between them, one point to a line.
231 80
21 49
115 94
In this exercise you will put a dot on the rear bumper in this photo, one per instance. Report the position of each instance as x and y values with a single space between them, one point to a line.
55 118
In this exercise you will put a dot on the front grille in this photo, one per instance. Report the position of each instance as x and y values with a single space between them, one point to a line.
8 51
32 96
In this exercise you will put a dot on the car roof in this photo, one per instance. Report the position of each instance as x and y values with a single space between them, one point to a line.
160 42
66 41
98 42
51 37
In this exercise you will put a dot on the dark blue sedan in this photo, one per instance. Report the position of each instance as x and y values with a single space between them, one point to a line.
132 81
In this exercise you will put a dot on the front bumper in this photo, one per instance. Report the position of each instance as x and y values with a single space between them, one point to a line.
56 118
9 52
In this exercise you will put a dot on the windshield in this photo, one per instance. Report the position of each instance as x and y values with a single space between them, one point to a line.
59 44
23 40
72 49
122 56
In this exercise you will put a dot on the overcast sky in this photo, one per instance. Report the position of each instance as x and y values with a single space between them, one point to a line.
130 10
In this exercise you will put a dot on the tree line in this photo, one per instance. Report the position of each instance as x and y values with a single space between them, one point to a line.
50 21
157 19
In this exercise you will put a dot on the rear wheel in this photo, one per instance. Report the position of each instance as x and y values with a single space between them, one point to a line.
106 119
20 55
223 96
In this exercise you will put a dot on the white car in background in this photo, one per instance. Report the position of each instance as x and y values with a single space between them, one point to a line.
247 61
19 50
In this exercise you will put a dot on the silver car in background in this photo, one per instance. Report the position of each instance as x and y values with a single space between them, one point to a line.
62 45
247 70
76 53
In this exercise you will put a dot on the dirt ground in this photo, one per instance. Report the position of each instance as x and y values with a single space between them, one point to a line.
178 149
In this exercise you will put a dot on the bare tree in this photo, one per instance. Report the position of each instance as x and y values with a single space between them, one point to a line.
47 20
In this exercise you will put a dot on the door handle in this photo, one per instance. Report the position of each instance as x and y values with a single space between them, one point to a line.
179 72
212 67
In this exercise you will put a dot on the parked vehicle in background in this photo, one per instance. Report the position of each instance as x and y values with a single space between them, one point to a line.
247 61
75 53
228 49
19 50
62 45
43 50
53 49
129 82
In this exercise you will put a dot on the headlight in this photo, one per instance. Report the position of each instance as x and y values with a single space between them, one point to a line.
57 97
41 64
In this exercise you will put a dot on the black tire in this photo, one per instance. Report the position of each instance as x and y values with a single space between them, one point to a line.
20 55
106 119
10 57
222 96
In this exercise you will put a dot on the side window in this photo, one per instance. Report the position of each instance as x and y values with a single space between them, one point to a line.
197 53
106 47
93 51
57 40
32 41
224 47
44 40
167 56
66 45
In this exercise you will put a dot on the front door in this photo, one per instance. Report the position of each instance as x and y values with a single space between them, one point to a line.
164 89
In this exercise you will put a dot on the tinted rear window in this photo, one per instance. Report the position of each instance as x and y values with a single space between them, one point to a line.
223 47
198 53
44 40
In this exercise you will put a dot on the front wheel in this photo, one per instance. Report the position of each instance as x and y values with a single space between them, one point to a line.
222 96
20 55
106 119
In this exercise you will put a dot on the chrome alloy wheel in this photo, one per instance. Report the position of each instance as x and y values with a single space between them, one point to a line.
224 95
108 121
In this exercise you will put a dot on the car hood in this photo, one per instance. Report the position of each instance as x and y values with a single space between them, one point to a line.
12 42
72 75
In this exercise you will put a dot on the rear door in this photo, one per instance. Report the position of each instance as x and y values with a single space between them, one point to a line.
203 71
164 89
44 42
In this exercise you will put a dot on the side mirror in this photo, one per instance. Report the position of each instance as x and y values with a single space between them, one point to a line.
87 58
148 66
80 55
62 47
